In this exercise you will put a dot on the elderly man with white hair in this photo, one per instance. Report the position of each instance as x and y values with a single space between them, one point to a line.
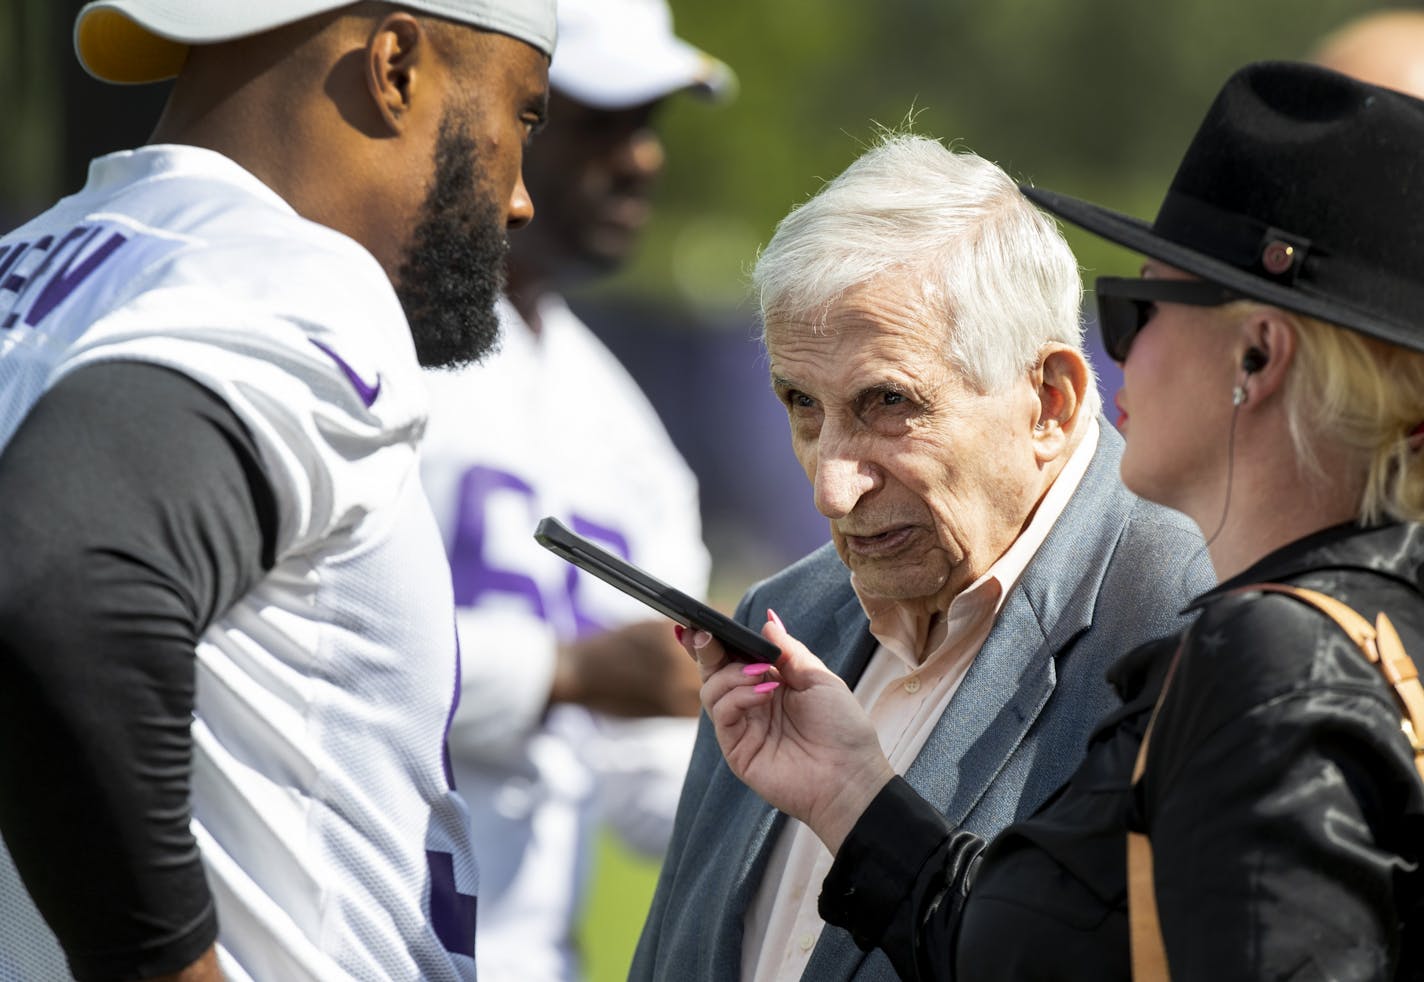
985 565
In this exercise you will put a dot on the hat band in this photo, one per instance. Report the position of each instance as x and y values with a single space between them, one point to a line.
1242 241
1355 287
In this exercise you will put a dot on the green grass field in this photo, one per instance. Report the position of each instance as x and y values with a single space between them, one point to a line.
618 902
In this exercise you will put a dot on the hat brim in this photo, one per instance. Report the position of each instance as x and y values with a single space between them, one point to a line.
605 78
133 43
1139 236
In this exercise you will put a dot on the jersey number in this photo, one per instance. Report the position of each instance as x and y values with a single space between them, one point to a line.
476 576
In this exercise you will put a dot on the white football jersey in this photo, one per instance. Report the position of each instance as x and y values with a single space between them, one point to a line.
323 806
552 425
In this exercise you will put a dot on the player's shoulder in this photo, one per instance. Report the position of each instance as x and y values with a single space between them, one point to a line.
234 236
294 267
247 297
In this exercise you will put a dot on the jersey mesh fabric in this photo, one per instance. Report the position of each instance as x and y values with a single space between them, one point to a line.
321 799
585 445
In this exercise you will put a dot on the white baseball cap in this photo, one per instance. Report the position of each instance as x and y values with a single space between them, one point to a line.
615 54
133 41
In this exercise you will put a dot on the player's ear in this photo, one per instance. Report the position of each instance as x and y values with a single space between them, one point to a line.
395 57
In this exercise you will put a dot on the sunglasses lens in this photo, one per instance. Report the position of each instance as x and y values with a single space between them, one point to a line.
1119 320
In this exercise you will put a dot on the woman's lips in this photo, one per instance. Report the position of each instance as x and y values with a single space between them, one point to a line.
1121 412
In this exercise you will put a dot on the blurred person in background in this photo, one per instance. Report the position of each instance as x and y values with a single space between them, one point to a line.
986 564
577 711
1384 47
1269 777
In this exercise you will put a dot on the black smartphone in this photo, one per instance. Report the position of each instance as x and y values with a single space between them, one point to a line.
740 642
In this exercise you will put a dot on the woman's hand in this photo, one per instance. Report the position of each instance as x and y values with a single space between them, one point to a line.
793 732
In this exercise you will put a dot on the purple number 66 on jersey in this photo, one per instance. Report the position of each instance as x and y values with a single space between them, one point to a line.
476 575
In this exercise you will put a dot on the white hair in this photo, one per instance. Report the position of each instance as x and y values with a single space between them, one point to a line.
994 268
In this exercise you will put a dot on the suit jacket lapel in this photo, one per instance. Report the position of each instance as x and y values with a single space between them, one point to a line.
1014 674
845 644
1012 677
1000 697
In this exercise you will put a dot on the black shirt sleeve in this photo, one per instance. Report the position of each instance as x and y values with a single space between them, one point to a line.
899 882
135 512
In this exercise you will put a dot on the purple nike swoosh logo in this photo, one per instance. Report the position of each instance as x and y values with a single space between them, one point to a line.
368 393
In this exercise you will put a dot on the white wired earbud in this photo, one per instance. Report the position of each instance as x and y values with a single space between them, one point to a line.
1252 362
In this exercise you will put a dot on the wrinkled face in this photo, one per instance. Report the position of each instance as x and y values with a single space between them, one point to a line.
593 173
924 480
1175 404
452 269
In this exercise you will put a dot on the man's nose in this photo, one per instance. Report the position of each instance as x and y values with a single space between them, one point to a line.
643 155
841 480
638 157
521 205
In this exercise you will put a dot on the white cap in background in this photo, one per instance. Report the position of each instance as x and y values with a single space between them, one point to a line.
615 54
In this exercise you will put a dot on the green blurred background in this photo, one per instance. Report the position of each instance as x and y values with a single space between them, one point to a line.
1096 98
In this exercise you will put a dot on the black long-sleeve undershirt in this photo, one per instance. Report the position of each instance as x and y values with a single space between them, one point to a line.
135 511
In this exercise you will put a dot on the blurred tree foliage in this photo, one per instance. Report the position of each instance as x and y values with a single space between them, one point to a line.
31 143
1096 98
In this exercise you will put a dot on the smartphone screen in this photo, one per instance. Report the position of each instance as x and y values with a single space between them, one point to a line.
740 641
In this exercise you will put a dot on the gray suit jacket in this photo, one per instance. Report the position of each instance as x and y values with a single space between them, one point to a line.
1115 571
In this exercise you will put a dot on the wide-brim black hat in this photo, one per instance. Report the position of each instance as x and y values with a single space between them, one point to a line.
1303 188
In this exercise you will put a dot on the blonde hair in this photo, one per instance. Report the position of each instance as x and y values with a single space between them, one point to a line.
1364 394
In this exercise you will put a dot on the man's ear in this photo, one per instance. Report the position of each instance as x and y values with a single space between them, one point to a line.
1062 378
396 54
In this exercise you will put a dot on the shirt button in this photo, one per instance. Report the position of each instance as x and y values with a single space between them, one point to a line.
808 941
912 685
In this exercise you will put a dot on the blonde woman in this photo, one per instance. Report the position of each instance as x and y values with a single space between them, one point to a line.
1274 392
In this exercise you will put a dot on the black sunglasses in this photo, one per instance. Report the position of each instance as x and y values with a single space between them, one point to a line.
1125 305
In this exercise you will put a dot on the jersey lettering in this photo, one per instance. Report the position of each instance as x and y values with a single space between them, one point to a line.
616 543
477 576
474 576
42 275
452 913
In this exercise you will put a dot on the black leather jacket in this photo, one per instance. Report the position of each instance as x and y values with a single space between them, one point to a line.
1285 813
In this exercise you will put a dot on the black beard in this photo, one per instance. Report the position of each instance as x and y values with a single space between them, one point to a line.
453 271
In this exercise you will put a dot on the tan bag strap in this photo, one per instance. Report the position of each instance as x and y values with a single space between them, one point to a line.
1149 953
1381 644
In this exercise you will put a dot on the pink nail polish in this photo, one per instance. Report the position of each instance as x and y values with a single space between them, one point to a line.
771 616
677 631
766 686
755 669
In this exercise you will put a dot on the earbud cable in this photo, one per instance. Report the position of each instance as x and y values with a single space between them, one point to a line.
1230 467
1226 504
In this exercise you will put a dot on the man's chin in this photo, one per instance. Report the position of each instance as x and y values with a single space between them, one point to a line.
443 340
896 582
608 246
